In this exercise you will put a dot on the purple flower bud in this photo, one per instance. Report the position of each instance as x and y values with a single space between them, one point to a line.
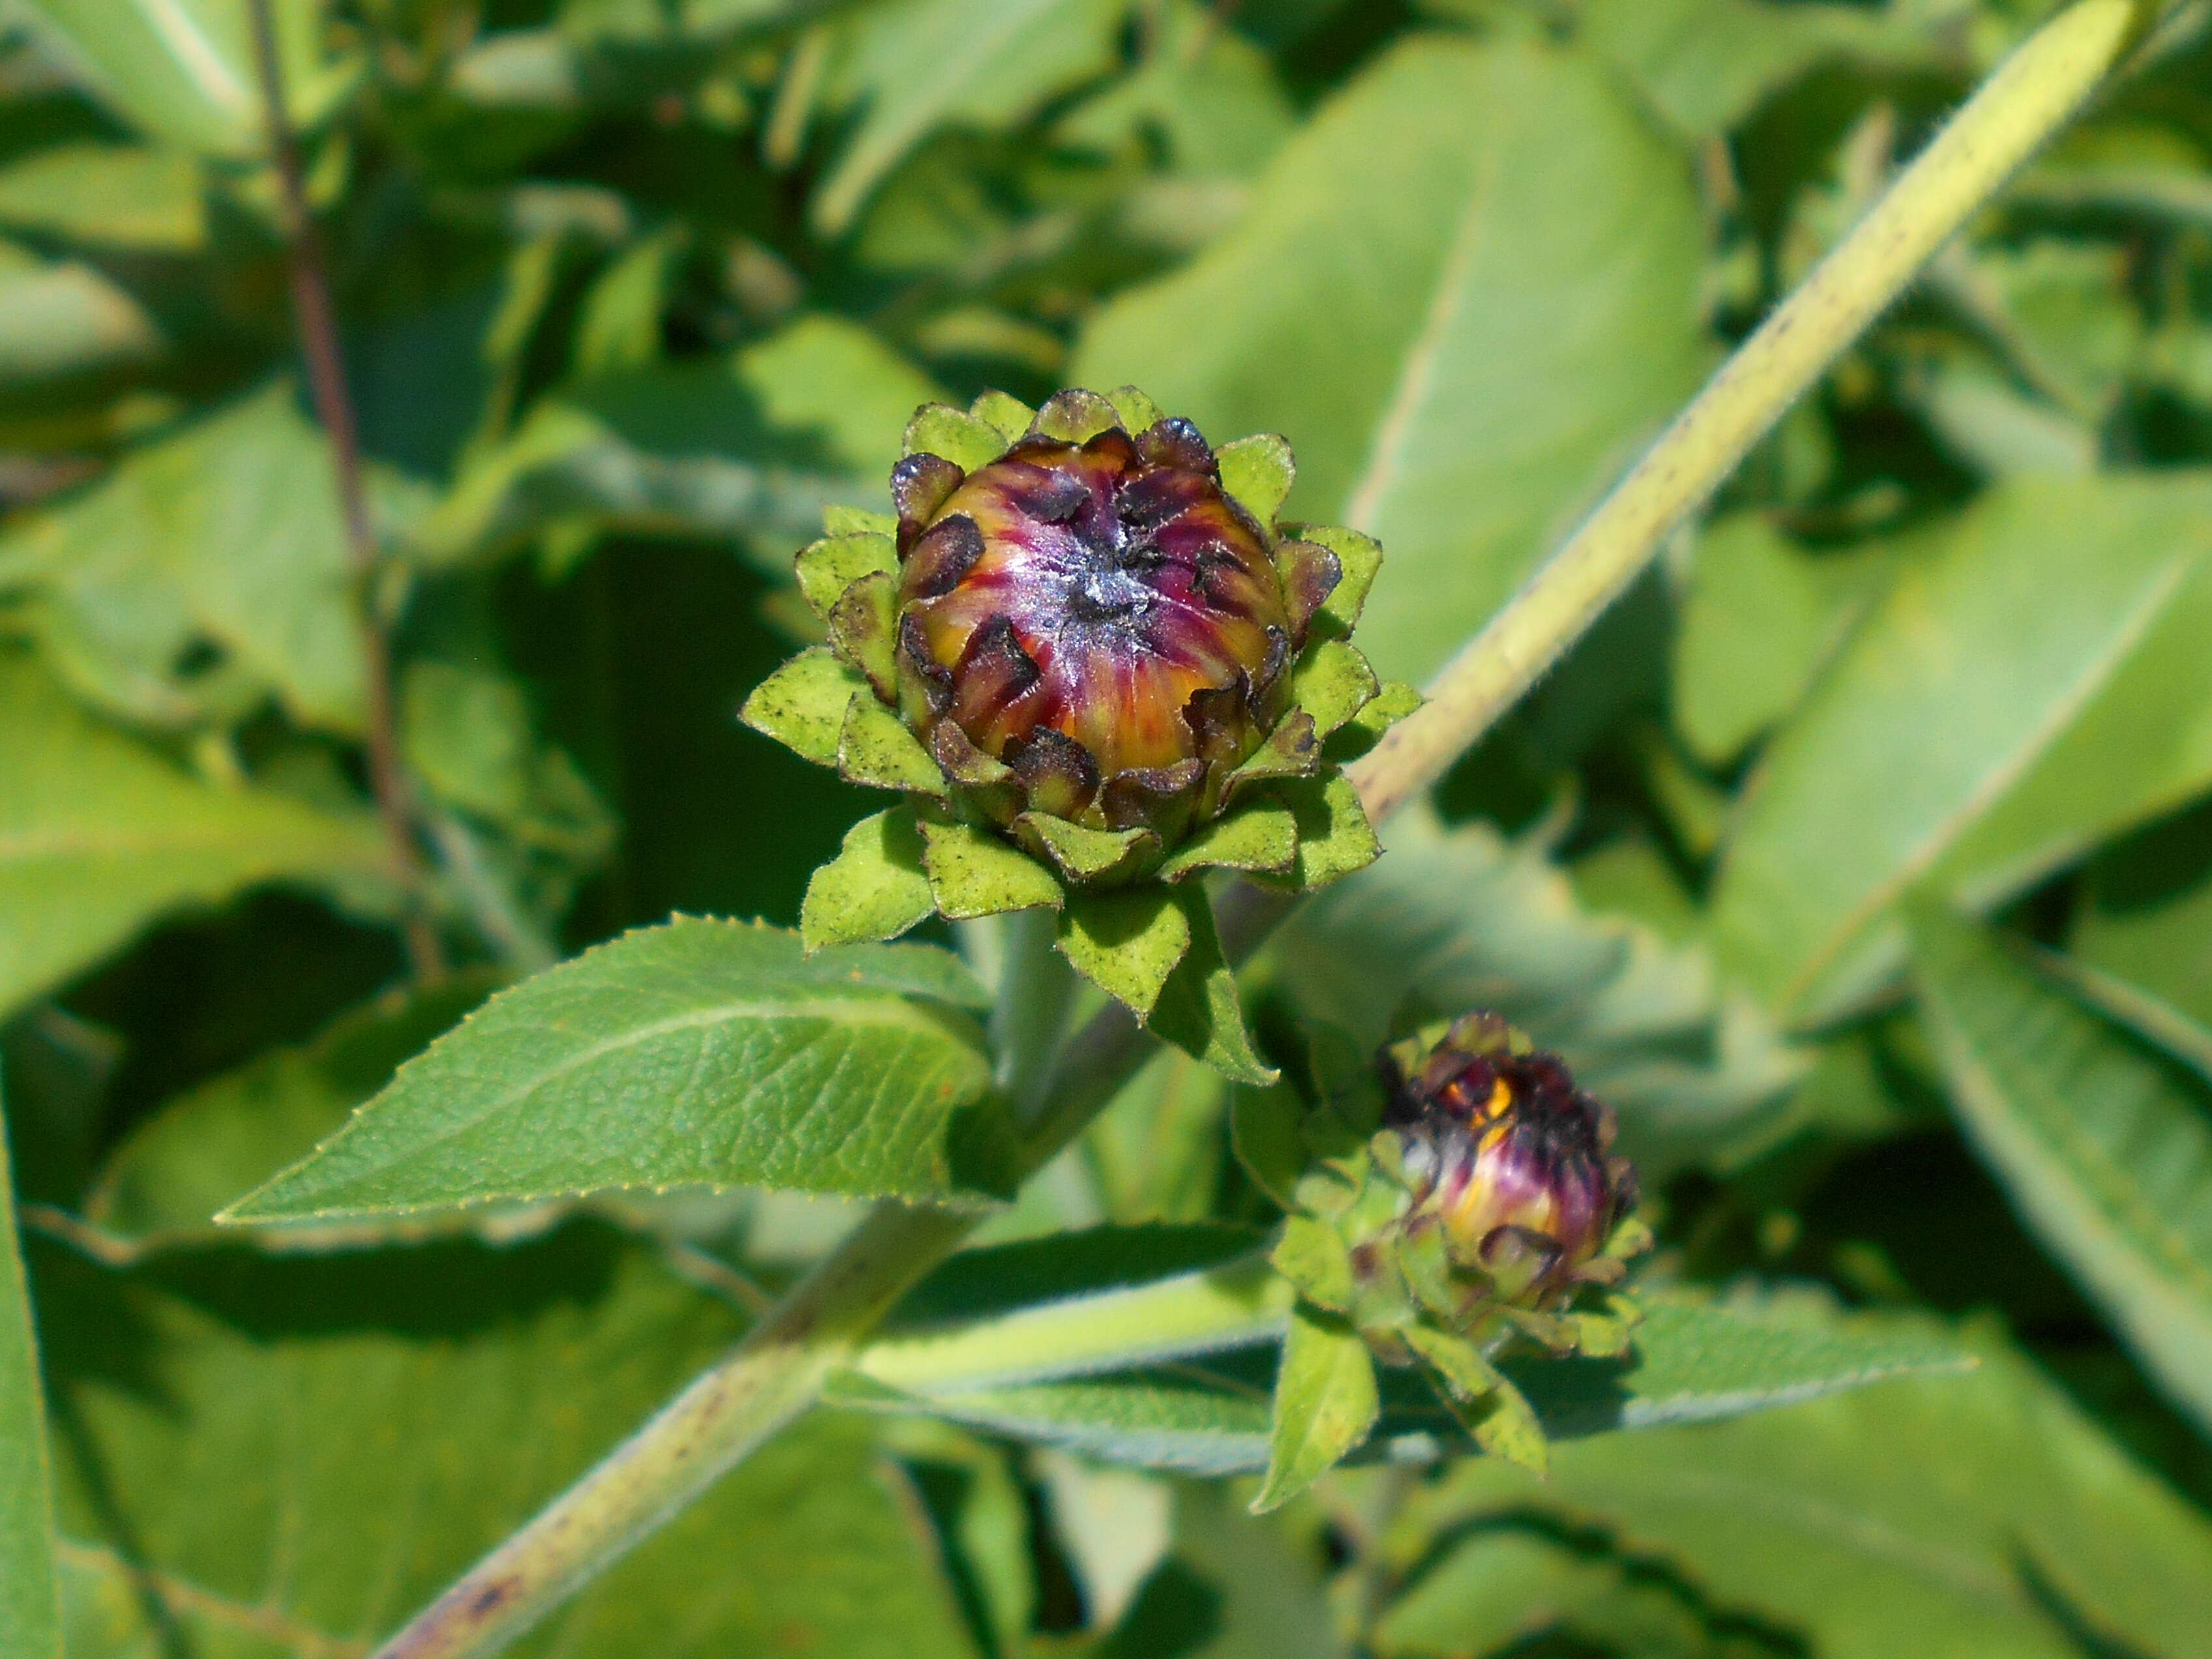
1505 1152
1100 615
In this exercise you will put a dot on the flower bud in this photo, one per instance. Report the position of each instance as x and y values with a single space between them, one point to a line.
1098 615
1502 1151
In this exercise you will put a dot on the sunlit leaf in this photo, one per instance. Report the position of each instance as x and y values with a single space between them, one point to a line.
702 1052
1523 251
100 835
2104 1144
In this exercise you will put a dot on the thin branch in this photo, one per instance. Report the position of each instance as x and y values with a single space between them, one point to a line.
317 325
778 1370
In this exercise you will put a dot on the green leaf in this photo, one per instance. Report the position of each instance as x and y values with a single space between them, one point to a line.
1157 1151
829 566
1706 64
973 874
1526 251
2032 683
1979 1516
1258 472
688 451
1312 1257
1128 943
1334 837
1084 854
29 1605
698 1054
1333 683
227 535
877 749
99 835
803 704
1259 834
1759 618
1692 1362
1325 1403
66 323
967 440
912 66
184 70
315 1417
874 889
162 1186
1198 1010
2103 1143
838 386
117 196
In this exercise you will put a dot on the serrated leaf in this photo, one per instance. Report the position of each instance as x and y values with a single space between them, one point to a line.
915 65
1527 250
877 749
803 704
1128 943
100 834
1260 834
1258 472
30 1610
2103 1142
2043 650
1198 1010
874 889
330 1416
827 568
1462 919
161 1186
1325 1403
701 1052
973 874
1983 1515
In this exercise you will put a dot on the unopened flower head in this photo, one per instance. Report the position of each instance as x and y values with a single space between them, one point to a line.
1504 1151
1100 615
1083 635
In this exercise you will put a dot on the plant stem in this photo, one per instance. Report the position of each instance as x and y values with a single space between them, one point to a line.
316 324
777 1371
2019 107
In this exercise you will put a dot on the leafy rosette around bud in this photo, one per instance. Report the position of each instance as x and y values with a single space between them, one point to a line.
1095 665
1461 1199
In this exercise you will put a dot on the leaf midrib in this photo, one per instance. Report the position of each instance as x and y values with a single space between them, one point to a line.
890 1012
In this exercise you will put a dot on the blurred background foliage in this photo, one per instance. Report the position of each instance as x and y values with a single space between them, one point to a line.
1861 855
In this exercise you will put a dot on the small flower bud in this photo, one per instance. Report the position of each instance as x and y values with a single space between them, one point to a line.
1508 1156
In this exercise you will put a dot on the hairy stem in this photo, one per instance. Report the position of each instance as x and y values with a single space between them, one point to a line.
316 323
778 1370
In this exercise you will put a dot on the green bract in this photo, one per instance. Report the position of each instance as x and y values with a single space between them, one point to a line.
1095 665
1466 1203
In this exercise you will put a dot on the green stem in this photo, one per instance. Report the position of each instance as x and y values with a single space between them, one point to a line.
779 1370
1036 986
2027 100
